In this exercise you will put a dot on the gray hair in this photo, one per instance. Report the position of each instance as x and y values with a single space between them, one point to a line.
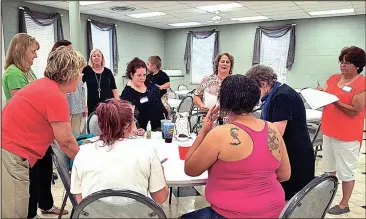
262 73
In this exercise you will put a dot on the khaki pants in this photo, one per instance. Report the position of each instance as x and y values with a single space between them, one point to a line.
76 120
14 186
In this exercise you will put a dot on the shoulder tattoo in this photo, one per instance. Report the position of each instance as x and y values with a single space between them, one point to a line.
234 135
273 142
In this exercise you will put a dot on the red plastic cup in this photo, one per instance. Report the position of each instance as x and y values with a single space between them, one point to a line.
183 150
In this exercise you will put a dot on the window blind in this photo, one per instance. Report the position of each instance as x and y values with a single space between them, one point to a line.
103 40
45 35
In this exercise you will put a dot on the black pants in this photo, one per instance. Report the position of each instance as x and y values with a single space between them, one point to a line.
40 177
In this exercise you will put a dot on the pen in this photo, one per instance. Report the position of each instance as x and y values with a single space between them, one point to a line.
162 161
318 84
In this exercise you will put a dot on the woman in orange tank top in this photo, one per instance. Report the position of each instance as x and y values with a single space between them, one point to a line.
343 122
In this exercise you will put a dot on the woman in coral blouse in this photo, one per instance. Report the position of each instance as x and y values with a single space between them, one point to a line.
343 122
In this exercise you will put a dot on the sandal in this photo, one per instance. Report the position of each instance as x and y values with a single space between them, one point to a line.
54 210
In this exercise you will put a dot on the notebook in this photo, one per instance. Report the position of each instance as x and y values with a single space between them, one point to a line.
317 98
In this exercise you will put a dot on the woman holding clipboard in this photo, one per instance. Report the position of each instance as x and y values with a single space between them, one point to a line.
343 122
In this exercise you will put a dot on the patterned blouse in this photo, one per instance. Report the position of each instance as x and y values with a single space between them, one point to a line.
76 100
211 84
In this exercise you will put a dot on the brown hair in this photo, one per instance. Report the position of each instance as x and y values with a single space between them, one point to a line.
354 55
133 65
262 73
18 49
114 117
217 60
155 60
61 43
64 65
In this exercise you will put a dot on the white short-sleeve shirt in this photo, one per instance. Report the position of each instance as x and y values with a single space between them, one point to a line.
124 165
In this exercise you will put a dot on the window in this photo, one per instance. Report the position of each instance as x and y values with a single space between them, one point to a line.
103 40
45 35
273 52
202 56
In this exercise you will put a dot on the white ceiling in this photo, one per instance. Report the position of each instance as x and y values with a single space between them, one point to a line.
186 11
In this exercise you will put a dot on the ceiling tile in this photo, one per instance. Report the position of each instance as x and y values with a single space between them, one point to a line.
259 4
158 4
361 11
283 9
205 3
108 5
327 6
173 7
188 11
241 13
289 13
289 16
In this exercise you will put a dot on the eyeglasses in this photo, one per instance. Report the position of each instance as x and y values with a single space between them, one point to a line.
344 63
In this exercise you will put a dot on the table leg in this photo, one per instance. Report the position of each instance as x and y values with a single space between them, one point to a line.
170 195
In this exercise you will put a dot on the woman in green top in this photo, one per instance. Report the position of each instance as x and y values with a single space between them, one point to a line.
19 60
18 74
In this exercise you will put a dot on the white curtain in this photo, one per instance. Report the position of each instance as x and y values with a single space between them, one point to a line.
202 53
274 53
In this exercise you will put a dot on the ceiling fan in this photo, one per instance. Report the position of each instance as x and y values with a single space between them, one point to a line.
217 18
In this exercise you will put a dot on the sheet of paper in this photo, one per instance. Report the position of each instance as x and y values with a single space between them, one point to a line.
210 100
316 98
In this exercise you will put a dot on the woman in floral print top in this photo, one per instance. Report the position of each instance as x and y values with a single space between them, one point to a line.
223 67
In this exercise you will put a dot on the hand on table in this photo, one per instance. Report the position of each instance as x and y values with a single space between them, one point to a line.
139 132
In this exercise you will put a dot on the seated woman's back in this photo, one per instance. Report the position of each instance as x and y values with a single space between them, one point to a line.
123 165
112 161
243 182
245 159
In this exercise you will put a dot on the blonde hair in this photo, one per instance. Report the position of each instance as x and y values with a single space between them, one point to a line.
155 60
18 50
90 63
64 65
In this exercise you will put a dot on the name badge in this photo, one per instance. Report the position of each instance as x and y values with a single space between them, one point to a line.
144 100
347 88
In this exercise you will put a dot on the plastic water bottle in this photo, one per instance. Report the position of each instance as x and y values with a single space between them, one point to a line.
148 130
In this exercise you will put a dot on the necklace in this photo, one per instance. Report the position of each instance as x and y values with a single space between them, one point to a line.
98 83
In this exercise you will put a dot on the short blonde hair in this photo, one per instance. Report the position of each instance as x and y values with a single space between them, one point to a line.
64 65
90 63
17 51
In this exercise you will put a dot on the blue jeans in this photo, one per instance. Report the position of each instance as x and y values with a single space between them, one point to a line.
207 212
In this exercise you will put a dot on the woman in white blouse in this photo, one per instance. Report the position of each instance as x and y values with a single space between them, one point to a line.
112 161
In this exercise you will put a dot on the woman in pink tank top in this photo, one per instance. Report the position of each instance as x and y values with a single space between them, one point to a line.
246 159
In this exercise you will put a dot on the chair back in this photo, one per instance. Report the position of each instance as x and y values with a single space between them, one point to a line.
62 165
186 105
114 203
92 124
172 94
196 121
314 200
182 87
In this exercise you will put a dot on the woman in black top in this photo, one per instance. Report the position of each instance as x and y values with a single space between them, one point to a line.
99 81
284 107
144 96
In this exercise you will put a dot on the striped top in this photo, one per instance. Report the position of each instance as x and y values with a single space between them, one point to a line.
76 100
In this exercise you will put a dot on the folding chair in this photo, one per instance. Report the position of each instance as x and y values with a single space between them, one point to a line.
62 166
116 203
314 200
